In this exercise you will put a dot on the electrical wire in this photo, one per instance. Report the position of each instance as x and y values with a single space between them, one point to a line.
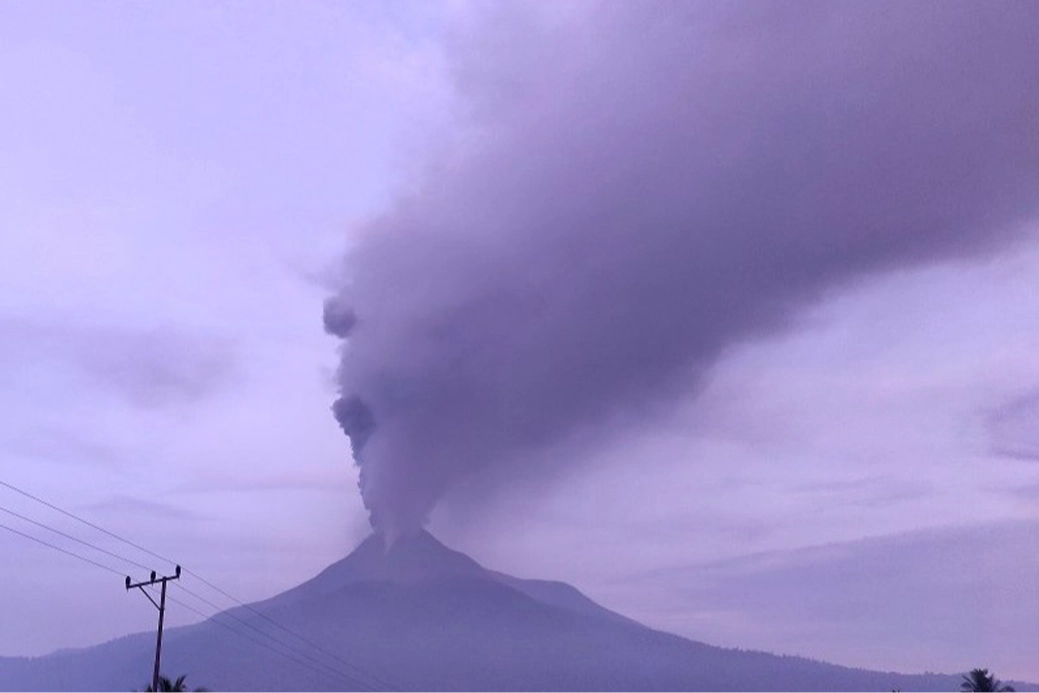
358 671
381 682
87 522
64 551
192 573
213 619
75 539
326 670
251 626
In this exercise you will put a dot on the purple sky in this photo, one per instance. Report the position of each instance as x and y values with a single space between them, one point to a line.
726 315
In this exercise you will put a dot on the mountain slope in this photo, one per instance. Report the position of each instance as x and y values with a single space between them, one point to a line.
420 557
423 617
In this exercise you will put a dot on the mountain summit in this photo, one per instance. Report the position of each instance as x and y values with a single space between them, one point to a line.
418 559
416 615
410 559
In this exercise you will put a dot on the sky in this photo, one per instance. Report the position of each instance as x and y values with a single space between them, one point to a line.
725 315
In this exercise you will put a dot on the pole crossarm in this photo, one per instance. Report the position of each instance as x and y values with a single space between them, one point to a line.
155 579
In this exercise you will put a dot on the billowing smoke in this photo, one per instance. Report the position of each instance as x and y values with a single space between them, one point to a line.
339 319
640 186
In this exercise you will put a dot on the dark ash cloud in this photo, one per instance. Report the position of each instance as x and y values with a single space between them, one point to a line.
641 186
339 319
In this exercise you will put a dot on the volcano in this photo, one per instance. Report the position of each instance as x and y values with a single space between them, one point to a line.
420 616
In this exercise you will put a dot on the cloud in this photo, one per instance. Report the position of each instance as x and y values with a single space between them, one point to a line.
891 601
1014 427
1028 493
60 445
135 507
868 492
146 367
323 481
638 188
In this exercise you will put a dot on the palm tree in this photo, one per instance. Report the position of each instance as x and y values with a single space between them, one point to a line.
982 680
166 685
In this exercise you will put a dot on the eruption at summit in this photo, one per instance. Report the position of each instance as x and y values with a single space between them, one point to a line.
585 251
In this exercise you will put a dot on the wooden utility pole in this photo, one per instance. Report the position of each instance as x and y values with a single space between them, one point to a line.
161 606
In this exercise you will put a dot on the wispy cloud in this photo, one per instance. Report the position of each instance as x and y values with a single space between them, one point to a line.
945 599
871 492
318 479
147 367
1014 427
120 504
60 445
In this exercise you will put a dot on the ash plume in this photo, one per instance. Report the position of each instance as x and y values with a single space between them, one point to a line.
356 420
640 186
339 319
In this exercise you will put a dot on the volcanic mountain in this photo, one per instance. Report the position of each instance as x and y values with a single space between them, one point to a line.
420 616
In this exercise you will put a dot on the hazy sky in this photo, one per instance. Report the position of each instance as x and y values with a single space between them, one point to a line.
845 467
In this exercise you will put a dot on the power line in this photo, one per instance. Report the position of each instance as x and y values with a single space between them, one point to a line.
87 523
199 578
358 671
381 682
251 626
75 539
64 551
212 618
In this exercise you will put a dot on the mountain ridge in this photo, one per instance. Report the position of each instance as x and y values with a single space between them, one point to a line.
420 557
417 615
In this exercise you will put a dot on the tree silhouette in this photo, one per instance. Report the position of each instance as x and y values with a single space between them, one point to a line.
982 680
166 685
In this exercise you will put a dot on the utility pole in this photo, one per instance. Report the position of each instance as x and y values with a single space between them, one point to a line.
161 606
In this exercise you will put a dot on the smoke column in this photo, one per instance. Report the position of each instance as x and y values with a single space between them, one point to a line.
639 186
